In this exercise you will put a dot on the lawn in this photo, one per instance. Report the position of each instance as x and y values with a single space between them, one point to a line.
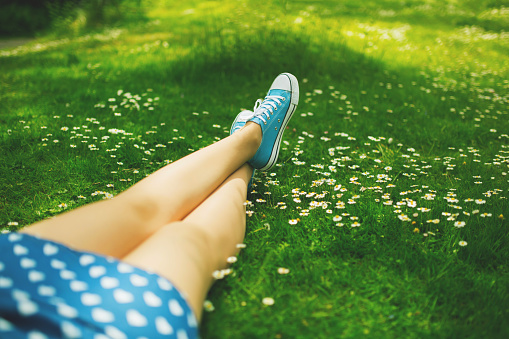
386 215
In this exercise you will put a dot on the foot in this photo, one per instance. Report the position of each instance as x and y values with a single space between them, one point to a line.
273 114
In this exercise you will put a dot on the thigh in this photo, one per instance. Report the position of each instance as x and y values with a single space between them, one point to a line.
47 288
185 254
109 227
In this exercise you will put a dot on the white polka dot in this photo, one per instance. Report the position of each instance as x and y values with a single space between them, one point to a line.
97 271
20 250
57 264
36 335
78 286
35 276
114 333
102 316
191 320
125 268
151 299
90 299
69 330
27 263
27 307
67 275
135 318
14 237
86 259
20 295
67 311
49 249
122 296
5 282
163 326
109 282
182 334
164 284
175 308
46 291
2 266
138 280
101 336
5 325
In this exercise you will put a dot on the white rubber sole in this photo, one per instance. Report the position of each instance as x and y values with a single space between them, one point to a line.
294 84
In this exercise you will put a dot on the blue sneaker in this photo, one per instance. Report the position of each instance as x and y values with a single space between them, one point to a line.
240 120
273 114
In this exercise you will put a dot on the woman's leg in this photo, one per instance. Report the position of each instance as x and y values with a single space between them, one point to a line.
189 251
115 227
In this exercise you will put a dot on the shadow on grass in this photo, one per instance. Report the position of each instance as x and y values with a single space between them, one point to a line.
220 71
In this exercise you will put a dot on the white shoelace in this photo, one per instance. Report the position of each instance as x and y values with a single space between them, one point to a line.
267 106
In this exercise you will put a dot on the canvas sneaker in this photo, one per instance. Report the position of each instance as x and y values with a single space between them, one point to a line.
273 114
240 120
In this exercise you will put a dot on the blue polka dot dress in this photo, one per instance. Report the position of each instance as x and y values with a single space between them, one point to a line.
48 290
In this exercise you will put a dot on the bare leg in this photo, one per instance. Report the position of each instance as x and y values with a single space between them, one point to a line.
117 226
189 251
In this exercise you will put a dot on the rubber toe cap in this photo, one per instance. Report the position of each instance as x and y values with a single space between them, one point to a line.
282 81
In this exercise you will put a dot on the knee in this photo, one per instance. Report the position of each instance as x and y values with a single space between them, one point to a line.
144 208
207 246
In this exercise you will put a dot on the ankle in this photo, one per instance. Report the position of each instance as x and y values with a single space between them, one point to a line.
254 131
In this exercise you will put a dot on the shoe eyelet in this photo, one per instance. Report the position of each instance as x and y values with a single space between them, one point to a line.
276 108
275 128
278 120
265 123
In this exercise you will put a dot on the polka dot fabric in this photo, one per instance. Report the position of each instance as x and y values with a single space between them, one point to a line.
48 290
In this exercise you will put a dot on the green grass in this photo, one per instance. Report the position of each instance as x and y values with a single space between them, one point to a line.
408 97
